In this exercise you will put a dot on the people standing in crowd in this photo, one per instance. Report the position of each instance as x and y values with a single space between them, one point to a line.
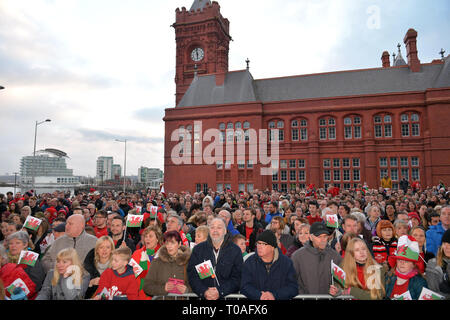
385 243
438 269
250 228
364 278
435 233
226 259
68 280
312 263
119 280
405 274
152 239
98 260
116 232
418 233
167 273
268 274
100 227
301 237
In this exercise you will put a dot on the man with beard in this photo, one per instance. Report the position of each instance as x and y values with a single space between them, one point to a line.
226 260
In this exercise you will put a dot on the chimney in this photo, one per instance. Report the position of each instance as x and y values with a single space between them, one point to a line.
410 41
385 59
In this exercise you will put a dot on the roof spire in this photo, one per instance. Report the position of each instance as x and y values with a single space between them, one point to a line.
248 63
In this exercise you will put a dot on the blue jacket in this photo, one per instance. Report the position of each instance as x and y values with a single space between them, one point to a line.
228 267
415 285
281 280
269 216
434 238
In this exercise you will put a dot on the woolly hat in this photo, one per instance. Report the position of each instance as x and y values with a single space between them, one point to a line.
414 215
407 249
268 237
51 210
384 224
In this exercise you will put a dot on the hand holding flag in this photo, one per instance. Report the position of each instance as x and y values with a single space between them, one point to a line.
338 274
32 223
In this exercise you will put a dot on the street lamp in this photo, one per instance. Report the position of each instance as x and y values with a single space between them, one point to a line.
124 164
34 150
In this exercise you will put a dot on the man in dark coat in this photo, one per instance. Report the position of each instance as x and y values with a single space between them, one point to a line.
226 260
250 228
268 274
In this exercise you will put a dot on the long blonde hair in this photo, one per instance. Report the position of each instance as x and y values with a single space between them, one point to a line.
98 244
376 290
78 269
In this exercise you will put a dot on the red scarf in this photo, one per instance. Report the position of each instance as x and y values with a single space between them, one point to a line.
406 276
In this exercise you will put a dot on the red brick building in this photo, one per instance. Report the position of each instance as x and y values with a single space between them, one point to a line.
346 127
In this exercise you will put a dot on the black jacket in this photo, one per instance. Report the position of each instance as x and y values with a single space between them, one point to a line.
257 229
228 267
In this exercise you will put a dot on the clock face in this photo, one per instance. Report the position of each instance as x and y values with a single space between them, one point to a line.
197 54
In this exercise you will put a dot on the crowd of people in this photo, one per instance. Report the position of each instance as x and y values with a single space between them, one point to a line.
265 244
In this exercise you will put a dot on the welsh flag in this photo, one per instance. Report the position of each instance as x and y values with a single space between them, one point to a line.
403 296
338 273
408 248
32 223
332 221
205 270
28 257
153 212
427 294
134 220
137 269
17 283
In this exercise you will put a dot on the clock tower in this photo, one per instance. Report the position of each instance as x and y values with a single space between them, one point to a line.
202 43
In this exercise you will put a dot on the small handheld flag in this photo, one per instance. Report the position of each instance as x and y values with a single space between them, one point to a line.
427 294
28 257
153 212
403 296
338 273
332 221
137 269
205 270
134 220
32 223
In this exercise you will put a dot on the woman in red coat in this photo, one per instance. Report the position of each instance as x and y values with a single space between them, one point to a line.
152 240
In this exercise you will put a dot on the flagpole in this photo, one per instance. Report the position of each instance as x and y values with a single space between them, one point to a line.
332 278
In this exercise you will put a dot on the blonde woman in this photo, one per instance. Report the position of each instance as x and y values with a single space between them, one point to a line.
438 269
67 281
98 260
364 276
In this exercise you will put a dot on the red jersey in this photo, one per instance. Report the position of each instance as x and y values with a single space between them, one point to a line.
101 232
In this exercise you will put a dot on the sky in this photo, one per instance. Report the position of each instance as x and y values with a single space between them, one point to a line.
104 69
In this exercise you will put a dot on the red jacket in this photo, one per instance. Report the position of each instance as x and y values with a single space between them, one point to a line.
101 232
11 272
119 284
137 257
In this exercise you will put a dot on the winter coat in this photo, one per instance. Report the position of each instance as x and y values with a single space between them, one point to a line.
434 236
294 247
11 272
280 279
64 289
436 279
228 267
82 244
119 284
257 229
415 285
164 267
313 268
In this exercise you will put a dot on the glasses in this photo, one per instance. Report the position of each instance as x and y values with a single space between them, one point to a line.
99 217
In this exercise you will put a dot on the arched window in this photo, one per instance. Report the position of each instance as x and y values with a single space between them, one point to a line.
327 128
352 127
382 126
410 124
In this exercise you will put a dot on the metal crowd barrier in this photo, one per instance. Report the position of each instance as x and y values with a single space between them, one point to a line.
236 296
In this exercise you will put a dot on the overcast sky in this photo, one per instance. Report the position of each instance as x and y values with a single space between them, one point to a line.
104 69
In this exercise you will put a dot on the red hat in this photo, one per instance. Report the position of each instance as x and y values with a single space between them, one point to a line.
62 211
414 215
407 249
51 210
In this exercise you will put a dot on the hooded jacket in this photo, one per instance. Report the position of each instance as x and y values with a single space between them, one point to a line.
163 267
228 267
313 268
280 279
434 237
